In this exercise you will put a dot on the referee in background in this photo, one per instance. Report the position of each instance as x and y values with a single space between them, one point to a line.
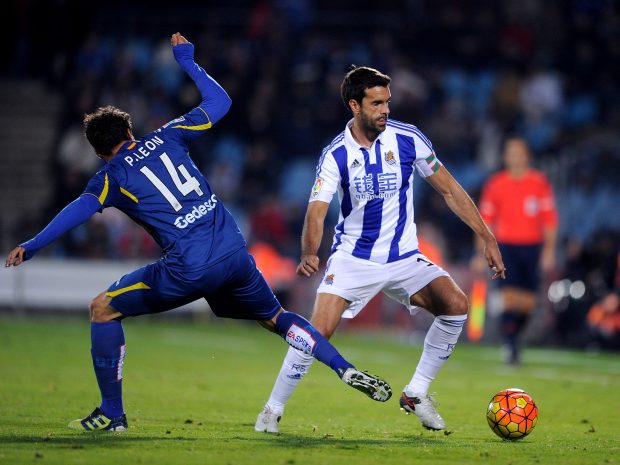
518 204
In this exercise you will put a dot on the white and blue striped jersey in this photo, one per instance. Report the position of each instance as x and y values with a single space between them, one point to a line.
375 190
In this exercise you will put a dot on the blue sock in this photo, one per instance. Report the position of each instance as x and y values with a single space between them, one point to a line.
108 352
300 334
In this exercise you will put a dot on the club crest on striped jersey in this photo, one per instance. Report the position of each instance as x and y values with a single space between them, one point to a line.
329 279
389 158
318 184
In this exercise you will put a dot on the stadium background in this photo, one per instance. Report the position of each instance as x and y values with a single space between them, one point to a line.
465 72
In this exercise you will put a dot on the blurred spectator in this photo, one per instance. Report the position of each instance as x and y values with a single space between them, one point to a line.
592 266
604 321
278 270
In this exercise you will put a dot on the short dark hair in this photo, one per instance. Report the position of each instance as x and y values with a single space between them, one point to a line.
106 127
357 80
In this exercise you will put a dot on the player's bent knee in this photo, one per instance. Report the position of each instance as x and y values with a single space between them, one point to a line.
459 305
100 311
93 307
462 307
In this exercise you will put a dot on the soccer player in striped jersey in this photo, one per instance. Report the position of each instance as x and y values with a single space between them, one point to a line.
155 182
371 166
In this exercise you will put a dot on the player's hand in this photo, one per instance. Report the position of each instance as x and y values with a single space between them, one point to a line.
15 257
308 265
494 259
177 39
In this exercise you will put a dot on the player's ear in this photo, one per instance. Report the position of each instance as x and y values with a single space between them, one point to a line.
354 106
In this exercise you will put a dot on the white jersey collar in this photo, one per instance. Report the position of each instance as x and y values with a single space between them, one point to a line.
351 142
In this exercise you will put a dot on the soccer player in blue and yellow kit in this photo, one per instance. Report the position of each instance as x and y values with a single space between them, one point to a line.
155 182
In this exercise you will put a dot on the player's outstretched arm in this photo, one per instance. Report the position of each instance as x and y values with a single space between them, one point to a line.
215 101
463 206
76 213
311 238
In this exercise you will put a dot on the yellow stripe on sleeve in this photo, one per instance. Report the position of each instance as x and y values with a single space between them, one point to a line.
200 127
133 287
129 194
104 192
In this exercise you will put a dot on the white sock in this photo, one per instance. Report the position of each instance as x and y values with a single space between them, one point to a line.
295 365
438 345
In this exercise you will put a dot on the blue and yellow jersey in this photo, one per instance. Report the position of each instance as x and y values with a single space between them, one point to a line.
156 183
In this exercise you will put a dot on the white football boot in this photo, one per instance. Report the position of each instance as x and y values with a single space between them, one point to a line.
267 421
424 407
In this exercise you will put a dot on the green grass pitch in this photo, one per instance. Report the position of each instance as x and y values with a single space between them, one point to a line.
192 393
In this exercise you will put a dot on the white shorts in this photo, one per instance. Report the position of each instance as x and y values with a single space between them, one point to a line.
358 280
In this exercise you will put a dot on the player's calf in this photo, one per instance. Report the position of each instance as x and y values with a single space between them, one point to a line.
300 334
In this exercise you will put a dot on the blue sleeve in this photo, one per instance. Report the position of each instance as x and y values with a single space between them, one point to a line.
76 213
215 101
103 187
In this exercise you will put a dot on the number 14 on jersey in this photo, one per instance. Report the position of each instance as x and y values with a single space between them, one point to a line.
190 184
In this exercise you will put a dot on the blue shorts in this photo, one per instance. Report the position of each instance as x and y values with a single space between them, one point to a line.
234 288
521 262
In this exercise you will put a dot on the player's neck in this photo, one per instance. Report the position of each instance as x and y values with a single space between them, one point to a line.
518 173
363 137
114 151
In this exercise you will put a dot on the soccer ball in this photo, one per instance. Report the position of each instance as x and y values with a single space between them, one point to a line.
512 414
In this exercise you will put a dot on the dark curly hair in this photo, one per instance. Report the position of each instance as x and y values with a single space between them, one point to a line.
357 80
106 127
